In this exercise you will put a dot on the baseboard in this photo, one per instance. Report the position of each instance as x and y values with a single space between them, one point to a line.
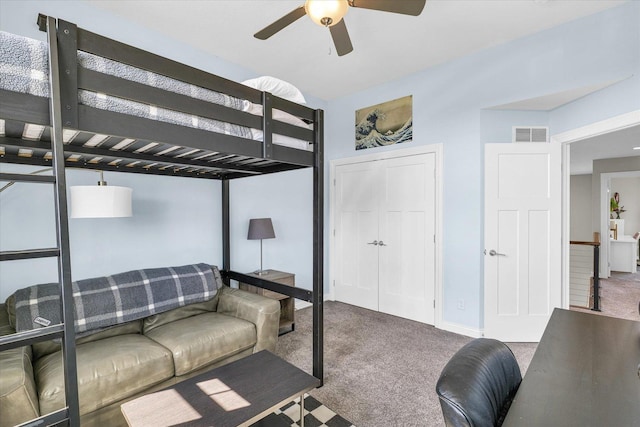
300 304
461 330
445 326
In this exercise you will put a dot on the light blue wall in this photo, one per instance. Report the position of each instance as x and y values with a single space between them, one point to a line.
449 107
497 125
176 220
19 17
450 104
286 199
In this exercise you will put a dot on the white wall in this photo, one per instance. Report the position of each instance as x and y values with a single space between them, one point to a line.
581 227
629 189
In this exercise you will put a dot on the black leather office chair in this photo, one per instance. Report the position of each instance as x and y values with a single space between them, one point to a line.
478 384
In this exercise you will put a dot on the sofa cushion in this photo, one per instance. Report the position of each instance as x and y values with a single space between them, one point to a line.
41 349
109 370
179 313
200 340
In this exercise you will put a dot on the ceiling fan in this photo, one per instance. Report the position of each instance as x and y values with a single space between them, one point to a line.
329 13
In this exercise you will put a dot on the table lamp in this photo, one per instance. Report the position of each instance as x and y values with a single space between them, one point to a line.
260 228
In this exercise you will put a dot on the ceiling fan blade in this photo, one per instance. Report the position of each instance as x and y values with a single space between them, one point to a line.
340 37
278 25
405 7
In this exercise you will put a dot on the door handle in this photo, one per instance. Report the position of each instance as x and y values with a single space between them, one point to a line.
375 242
381 243
492 252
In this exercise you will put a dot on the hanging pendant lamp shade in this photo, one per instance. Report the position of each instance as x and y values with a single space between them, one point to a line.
100 201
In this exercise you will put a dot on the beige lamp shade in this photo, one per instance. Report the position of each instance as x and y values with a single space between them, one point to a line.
100 201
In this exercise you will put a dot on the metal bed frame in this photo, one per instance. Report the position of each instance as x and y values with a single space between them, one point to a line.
205 155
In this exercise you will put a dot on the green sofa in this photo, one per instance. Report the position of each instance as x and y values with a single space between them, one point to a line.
122 362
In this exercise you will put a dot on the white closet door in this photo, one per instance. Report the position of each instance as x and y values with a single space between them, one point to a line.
356 218
384 235
407 230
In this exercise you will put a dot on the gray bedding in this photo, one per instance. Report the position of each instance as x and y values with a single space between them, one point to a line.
24 68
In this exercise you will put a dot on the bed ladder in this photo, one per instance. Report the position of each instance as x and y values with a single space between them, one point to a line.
70 414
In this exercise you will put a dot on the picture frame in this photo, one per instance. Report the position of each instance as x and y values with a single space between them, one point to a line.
384 124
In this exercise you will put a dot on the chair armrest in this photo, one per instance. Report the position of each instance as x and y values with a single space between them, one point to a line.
261 311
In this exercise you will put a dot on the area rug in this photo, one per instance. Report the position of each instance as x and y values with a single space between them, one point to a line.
316 415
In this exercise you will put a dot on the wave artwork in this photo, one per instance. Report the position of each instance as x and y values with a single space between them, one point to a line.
384 124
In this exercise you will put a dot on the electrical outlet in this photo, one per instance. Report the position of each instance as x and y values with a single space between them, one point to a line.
460 304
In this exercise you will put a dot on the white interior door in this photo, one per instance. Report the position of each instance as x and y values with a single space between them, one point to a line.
522 282
356 228
407 237
384 235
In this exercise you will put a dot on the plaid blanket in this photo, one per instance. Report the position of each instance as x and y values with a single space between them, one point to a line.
107 301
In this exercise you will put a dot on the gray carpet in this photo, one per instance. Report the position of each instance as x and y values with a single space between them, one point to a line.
380 370
619 296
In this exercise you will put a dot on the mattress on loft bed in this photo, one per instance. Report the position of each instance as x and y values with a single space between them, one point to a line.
24 67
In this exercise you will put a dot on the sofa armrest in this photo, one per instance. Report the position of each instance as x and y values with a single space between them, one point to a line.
18 398
261 311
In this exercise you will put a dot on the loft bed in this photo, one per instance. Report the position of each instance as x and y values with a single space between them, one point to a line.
87 101
125 108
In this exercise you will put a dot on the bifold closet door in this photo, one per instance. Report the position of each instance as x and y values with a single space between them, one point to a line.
406 227
356 220
384 236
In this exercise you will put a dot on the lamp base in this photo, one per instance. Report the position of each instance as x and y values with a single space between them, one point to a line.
261 272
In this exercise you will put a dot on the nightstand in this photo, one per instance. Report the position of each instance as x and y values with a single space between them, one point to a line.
287 320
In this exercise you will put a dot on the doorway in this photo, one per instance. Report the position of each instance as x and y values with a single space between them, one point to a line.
600 221
619 286
385 232
562 141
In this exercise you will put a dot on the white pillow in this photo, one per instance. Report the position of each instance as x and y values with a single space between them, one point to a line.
282 116
277 87
279 115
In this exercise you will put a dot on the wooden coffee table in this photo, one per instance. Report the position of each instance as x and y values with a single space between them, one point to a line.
237 394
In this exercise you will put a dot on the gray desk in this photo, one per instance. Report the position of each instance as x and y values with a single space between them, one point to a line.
583 373
237 394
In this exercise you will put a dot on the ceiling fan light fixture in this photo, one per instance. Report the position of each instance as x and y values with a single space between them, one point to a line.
326 13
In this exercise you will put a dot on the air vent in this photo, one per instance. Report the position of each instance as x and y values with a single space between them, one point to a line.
530 134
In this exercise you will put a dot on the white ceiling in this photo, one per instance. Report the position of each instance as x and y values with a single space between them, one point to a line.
387 46
555 100
607 146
